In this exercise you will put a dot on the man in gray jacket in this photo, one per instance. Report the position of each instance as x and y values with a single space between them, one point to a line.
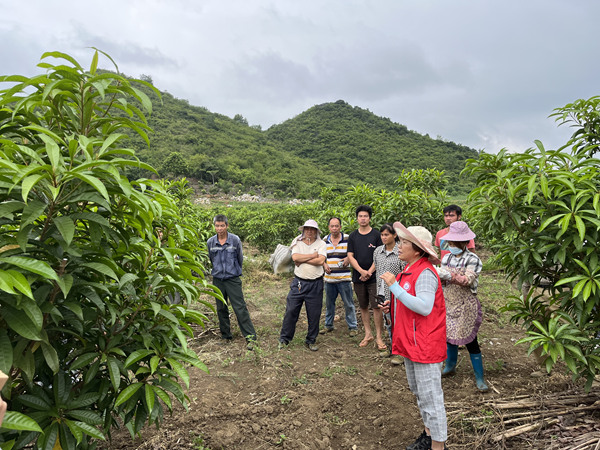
225 252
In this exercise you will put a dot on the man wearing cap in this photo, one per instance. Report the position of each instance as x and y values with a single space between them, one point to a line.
309 252
226 256
452 213
418 314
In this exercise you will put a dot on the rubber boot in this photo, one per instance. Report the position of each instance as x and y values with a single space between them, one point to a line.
450 366
478 369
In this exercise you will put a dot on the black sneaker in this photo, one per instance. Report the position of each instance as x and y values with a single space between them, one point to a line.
423 442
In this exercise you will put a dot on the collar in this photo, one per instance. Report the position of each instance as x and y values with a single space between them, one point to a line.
229 239
328 238
394 250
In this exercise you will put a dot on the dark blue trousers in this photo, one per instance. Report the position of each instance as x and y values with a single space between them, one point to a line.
311 294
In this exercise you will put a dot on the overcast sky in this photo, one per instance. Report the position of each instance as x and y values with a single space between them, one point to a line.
481 73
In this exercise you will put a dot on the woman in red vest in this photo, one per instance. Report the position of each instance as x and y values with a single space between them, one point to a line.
419 330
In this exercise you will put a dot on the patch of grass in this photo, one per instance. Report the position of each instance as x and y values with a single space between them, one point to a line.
301 380
335 420
496 366
198 442
330 371
226 362
285 400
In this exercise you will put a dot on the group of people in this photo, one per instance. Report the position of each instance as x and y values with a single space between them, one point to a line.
429 311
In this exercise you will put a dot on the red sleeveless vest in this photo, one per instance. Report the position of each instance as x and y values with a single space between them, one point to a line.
419 338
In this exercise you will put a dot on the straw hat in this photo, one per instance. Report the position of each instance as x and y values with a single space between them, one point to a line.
420 237
459 232
310 223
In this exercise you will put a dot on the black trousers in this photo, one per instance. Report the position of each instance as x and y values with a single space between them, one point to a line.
311 294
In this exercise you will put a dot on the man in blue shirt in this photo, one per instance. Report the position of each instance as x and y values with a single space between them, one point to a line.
225 252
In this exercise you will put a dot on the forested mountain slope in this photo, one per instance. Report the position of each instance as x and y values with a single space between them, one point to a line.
363 146
297 157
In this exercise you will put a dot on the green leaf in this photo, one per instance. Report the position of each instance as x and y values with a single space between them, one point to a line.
51 357
84 360
87 416
77 433
28 183
17 421
181 371
6 283
9 207
90 430
102 268
32 212
20 282
164 397
153 363
127 393
6 352
20 323
149 397
92 181
94 65
34 402
66 227
115 374
38 267
136 356
181 337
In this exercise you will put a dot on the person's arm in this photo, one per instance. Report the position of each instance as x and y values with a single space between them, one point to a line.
317 261
210 256
422 303
299 258
473 269
240 253
355 265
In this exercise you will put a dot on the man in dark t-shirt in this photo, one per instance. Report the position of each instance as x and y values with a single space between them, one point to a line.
361 245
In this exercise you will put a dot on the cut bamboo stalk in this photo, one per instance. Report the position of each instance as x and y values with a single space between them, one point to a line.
523 429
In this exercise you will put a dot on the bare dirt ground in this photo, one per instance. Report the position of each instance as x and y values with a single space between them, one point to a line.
344 396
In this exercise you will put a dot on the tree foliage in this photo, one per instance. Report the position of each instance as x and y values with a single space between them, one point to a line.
88 335
543 208
268 225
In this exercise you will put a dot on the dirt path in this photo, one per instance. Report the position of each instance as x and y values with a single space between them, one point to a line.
340 397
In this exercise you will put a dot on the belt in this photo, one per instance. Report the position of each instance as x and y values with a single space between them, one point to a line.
314 279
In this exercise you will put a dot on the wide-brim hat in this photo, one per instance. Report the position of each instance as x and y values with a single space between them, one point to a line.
310 223
419 236
459 232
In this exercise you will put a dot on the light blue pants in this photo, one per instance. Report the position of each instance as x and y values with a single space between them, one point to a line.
344 288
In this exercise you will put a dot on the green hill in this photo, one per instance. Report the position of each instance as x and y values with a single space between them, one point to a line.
357 144
333 144
192 141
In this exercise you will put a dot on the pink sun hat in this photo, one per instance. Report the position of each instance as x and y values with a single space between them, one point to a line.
459 232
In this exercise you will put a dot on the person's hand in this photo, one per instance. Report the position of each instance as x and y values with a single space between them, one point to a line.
389 278
346 262
385 306
3 407
327 268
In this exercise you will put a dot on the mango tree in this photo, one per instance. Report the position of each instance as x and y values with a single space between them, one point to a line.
541 211
88 334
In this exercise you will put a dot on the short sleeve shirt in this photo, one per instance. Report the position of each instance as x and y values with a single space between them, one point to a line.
308 271
385 262
363 246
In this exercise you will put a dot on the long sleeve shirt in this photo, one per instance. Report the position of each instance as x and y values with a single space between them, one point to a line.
226 259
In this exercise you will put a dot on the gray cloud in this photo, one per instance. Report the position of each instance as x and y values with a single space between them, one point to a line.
485 74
